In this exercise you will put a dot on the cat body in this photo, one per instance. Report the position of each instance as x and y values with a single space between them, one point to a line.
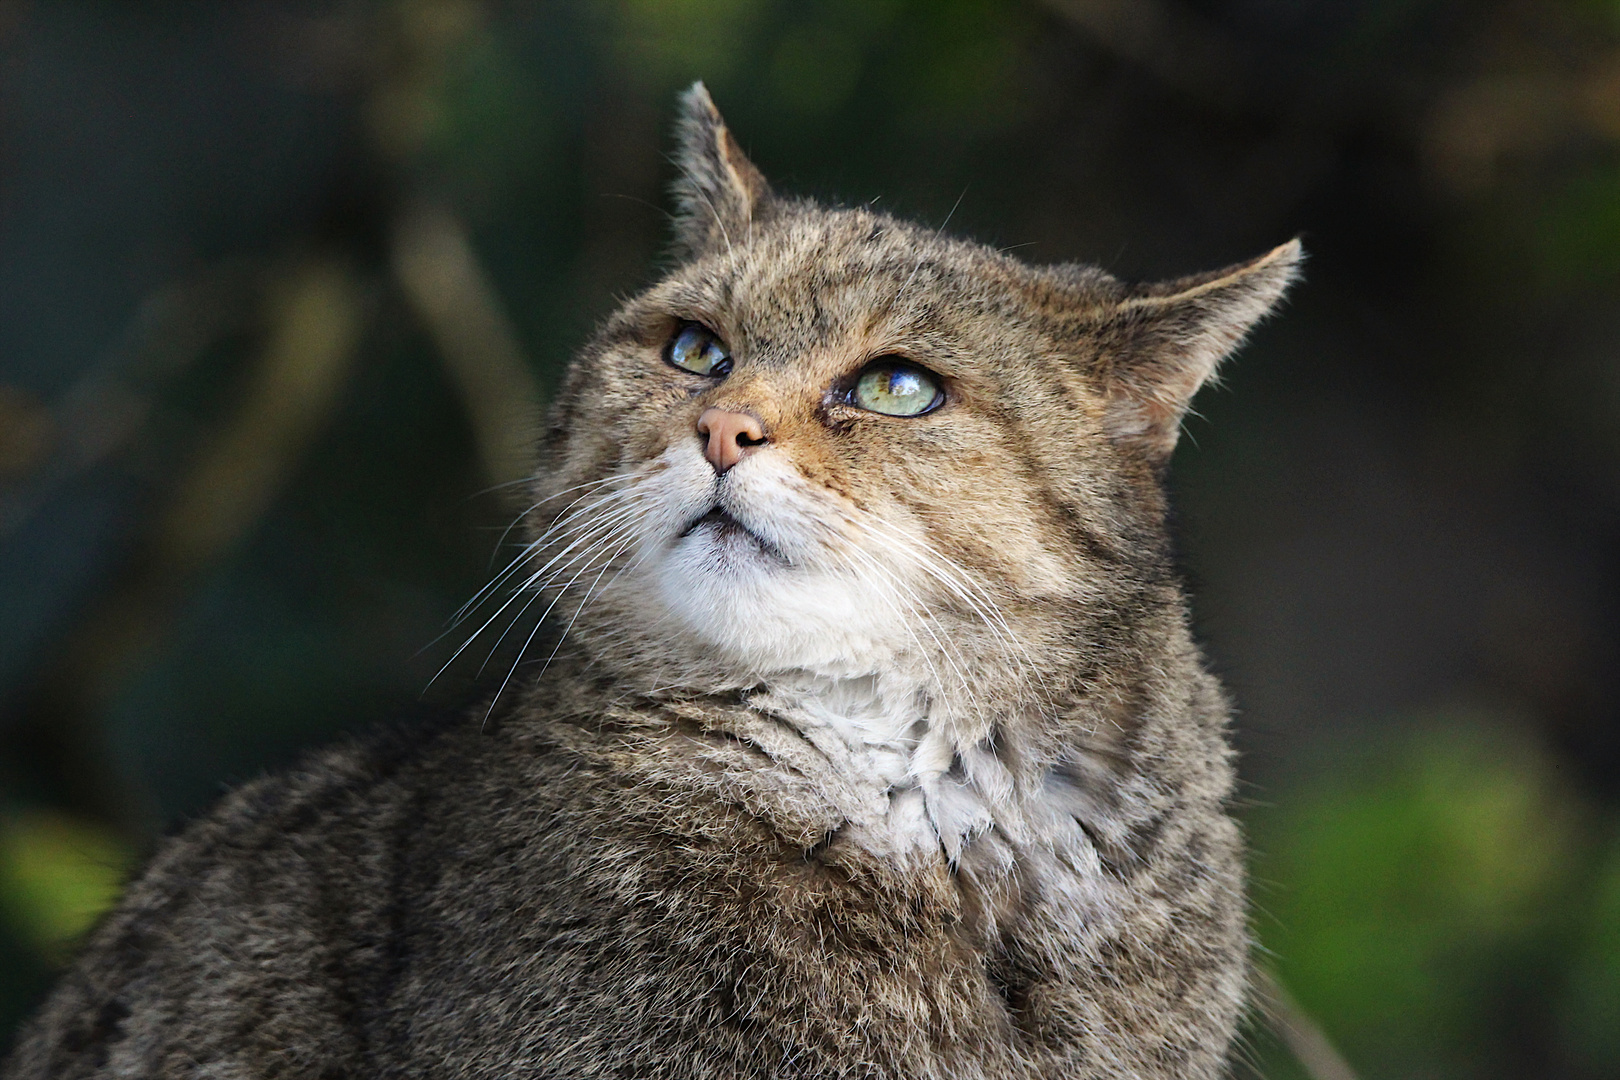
873 741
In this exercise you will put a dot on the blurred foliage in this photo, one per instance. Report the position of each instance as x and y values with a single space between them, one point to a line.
1590 1003
57 876
1578 232
660 41
1410 496
1410 899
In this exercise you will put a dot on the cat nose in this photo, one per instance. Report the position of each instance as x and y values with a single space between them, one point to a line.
729 436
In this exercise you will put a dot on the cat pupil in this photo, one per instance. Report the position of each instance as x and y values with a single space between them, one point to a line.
697 350
896 388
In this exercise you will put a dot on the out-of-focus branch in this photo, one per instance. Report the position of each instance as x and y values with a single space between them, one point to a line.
400 54
430 249
1475 127
315 320
440 275
107 409
315 324
1302 1035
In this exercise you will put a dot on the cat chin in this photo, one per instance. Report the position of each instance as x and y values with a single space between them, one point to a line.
765 617
740 565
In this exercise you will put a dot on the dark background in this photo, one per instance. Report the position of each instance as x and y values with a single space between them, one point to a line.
280 284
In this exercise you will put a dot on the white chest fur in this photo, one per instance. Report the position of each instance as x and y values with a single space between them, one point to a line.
920 790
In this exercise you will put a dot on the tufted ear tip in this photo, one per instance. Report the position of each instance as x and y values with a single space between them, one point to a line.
695 103
1170 337
696 118
1290 254
1258 282
1278 269
719 192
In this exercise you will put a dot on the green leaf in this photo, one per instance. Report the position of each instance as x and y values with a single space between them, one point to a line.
58 876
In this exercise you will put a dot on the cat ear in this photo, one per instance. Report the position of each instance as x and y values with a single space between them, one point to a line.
1164 341
719 192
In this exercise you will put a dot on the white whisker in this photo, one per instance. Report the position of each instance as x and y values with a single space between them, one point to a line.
925 616
956 581
563 519
589 594
541 621
579 531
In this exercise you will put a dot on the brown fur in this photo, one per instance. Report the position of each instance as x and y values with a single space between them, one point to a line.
954 808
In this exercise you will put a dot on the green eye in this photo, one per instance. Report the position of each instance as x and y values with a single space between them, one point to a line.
694 348
896 388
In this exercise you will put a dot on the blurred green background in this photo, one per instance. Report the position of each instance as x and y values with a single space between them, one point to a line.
282 283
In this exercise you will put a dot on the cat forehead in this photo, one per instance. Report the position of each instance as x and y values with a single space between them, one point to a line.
823 271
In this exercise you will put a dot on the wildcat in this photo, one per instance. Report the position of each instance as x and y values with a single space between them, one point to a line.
872 741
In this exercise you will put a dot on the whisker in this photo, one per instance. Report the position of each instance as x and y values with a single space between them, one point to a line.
583 536
959 584
592 484
589 593
589 533
567 525
513 671
949 574
491 489
628 530
926 615
528 549
540 622
922 256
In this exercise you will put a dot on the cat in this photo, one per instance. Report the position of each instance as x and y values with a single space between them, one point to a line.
871 739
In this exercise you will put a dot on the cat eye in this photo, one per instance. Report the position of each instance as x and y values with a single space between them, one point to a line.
897 388
697 349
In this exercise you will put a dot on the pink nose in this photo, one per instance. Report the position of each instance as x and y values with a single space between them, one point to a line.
728 436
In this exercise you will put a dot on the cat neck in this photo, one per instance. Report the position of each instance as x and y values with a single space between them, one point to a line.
870 726
893 765
891 737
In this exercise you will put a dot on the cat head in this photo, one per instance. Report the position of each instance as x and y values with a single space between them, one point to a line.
837 443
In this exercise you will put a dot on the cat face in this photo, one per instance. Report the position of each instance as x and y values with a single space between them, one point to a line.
835 443
772 513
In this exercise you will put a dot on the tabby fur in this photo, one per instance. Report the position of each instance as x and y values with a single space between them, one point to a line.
905 765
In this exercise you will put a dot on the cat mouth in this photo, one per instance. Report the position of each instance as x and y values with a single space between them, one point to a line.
722 529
